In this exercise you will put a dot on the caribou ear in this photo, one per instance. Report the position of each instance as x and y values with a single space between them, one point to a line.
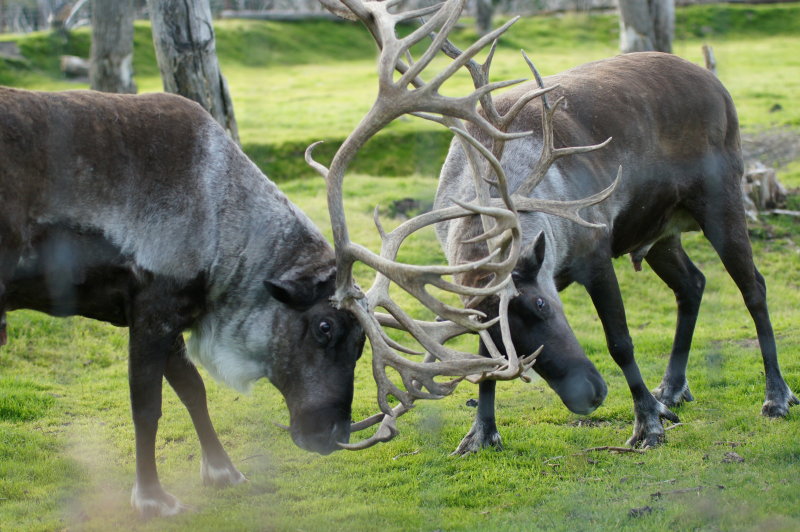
530 260
297 295
301 293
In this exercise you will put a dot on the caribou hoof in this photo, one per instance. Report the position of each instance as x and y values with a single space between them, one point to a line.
648 431
481 435
220 476
670 394
779 406
155 502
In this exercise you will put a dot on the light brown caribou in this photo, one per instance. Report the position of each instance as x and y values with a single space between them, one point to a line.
675 134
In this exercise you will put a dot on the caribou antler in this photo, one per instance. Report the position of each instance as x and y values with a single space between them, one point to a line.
500 237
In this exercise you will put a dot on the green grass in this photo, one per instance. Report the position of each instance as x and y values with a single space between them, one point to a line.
66 440
295 83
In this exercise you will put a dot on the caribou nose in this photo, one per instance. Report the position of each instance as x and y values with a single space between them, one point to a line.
323 440
583 393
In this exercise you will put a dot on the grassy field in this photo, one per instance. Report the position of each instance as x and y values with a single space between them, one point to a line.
66 440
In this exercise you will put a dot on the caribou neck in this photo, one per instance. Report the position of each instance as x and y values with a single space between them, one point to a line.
262 235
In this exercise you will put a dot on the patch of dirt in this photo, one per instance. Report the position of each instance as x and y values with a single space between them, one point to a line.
639 512
732 458
750 343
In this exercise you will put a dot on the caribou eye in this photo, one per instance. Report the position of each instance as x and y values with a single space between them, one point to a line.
325 327
540 304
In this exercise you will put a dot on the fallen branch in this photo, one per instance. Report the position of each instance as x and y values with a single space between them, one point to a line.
784 212
613 449
405 454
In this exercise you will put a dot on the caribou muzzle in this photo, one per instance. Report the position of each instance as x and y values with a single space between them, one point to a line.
582 390
321 430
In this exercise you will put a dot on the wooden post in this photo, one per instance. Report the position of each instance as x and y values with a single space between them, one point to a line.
711 62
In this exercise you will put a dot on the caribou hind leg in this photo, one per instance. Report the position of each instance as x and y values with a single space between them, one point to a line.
670 262
725 227
216 467
603 288
484 429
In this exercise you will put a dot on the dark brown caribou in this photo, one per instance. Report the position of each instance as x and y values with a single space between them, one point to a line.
141 212
675 133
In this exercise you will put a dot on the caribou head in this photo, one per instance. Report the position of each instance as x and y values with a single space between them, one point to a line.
317 382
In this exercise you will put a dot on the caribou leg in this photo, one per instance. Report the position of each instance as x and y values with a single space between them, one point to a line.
159 311
216 467
9 258
726 229
670 262
603 288
484 429
148 356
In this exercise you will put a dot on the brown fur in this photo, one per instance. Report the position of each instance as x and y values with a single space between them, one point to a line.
675 134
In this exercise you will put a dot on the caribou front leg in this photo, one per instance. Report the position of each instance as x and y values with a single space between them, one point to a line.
216 468
603 288
484 430
147 361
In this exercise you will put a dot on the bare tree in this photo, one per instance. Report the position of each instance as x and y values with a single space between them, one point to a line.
185 48
112 46
484 11
646 25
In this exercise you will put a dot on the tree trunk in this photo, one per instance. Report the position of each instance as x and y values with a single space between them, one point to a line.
112 46
646 25
184 40
483 16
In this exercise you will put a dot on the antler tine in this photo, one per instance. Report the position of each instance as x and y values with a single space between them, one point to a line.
417 13
502 180
537 77
438 331
431 335
520 104
423 373
319 168
569 210
464 57
550 153
385 432
448 12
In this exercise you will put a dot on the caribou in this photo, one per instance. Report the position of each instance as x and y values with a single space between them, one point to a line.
673 129
141 212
